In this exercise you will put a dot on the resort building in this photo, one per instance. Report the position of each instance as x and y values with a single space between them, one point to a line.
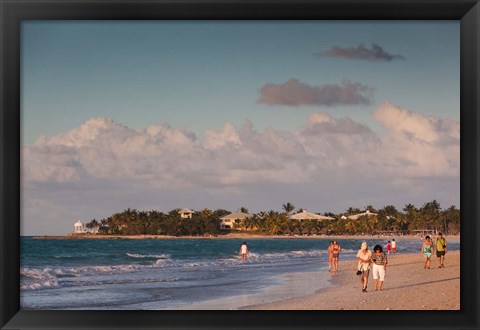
228 221
366 213
185 213
79 227
304 215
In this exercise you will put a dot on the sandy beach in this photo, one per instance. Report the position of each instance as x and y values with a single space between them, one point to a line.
407 286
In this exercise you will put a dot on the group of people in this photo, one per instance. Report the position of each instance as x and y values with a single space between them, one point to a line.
391 246
333 254
377 260
428 248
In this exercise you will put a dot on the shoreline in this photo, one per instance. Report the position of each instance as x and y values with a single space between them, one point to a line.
407 286
284 287
301 284
229 236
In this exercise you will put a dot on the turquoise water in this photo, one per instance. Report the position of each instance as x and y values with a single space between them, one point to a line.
170 273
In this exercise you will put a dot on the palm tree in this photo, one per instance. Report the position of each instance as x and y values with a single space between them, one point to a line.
93 224
386 217
351 227
289 207
409 208
352 211
255 221
450 218
205 213
371 209
240 224
430 213
104 227
310 226
413 217
401 222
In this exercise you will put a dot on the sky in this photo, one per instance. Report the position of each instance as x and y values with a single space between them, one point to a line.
157 115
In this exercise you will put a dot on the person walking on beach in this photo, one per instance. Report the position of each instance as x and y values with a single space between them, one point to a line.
427 250
379 268
394 246
244 251
441 246
364 257
335 254
330 258
389 247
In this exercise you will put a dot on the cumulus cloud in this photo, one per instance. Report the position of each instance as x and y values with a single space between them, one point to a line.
421 145
162 156
361 52
160 165
296 93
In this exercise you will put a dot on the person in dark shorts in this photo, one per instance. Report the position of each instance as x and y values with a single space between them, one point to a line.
441 246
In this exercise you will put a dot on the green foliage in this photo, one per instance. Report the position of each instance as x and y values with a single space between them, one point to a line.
207 222
288 207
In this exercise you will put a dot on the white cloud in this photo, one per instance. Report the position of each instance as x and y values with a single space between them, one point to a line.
215 139
415 145
331 157
419 145
320 117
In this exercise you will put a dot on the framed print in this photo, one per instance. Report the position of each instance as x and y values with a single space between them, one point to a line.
239 164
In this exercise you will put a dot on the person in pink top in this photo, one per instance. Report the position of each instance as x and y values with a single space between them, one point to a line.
389 247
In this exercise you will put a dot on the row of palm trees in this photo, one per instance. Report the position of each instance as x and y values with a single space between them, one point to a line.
206 222
134 222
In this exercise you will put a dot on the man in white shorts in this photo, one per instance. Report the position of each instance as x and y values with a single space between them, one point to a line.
379 259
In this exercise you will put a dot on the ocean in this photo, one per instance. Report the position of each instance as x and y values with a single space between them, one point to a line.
154 274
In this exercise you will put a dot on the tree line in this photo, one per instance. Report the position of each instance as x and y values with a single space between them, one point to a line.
206 222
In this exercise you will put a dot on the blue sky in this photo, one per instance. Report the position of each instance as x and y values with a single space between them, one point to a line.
198 76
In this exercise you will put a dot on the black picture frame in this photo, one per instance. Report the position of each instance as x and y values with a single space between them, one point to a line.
13 12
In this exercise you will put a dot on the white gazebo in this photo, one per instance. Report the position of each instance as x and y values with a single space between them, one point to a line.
366 213
304 215
185 213
228 221
79 227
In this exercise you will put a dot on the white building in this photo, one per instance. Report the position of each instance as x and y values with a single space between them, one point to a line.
366 213
185 213
304 215
228 221
79 227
